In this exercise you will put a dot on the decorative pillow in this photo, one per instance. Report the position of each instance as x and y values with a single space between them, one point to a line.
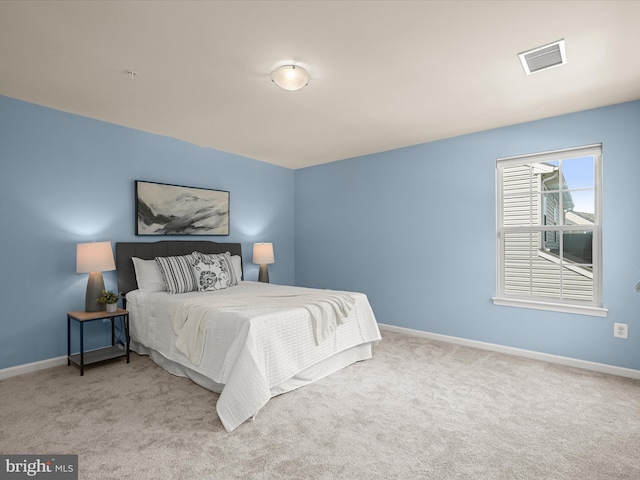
213 271
148 275
177 273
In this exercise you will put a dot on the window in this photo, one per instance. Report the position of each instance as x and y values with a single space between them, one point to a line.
549 231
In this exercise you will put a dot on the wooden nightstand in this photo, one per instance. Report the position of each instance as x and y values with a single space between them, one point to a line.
107 353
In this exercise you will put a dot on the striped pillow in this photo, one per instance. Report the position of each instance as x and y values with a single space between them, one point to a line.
177 273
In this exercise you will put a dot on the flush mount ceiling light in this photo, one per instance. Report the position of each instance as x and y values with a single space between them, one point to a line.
290 77
544 57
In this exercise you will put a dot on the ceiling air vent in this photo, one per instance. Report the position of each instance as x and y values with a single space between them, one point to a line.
542 58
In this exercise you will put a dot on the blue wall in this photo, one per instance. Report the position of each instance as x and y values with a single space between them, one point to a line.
414 229
66 179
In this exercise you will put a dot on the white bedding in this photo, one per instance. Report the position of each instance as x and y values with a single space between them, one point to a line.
253 352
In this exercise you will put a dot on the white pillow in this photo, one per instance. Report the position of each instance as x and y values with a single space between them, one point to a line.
236 261
148 275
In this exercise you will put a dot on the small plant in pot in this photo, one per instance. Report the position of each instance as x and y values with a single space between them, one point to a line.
110 299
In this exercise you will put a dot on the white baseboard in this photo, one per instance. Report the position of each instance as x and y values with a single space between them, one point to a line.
32 367
546 357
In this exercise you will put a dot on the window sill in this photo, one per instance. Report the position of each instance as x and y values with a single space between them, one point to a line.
552 307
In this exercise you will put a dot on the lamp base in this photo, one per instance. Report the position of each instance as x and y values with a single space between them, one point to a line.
95 286
263 274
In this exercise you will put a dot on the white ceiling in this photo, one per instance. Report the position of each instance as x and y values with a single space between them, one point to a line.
384 74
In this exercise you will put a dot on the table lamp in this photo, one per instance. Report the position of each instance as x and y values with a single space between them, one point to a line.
263 255
94 258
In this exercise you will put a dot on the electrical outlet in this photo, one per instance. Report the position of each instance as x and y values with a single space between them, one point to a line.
620 330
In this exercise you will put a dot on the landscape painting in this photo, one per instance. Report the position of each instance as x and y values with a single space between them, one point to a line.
163 209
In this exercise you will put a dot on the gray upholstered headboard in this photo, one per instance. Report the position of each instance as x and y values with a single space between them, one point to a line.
150 250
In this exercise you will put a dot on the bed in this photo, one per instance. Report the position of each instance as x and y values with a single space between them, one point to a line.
248 341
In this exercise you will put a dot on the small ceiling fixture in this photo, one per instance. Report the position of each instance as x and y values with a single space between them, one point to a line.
290 77
544 57
132 74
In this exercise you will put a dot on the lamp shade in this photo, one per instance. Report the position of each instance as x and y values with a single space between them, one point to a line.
263 253
290 77
94 257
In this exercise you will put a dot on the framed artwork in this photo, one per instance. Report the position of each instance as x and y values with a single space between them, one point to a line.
163 209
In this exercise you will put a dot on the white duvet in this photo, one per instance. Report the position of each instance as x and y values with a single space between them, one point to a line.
251 346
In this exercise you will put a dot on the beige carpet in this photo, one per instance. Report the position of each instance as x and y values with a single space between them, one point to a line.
419 410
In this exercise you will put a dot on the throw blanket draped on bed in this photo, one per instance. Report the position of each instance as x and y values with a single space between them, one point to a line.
327 310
